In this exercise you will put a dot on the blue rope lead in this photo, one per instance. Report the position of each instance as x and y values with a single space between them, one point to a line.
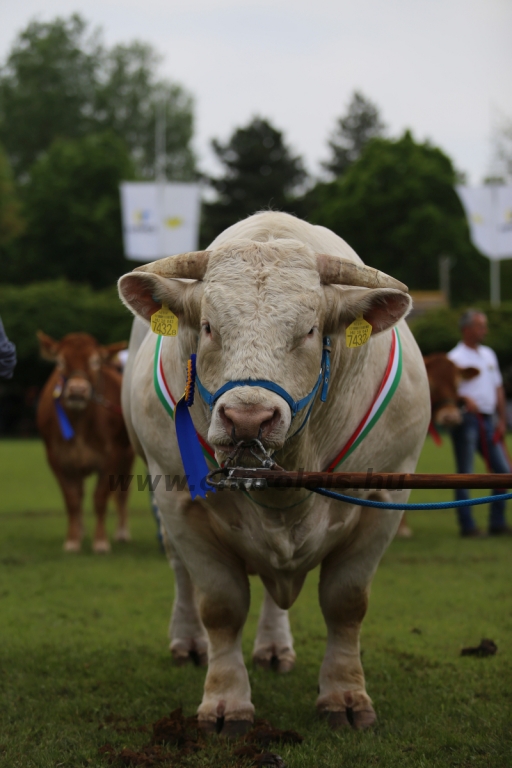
432 505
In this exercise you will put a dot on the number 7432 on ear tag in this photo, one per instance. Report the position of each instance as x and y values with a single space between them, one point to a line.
164 322
358 332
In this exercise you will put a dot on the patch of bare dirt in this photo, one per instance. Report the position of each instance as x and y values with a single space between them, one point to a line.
184 736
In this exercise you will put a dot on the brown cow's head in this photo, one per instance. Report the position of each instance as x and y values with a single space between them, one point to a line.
444 378
78 357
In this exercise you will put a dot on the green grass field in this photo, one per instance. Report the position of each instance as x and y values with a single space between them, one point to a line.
84 642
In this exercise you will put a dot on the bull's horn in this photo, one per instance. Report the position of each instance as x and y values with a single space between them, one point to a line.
344 272
190 265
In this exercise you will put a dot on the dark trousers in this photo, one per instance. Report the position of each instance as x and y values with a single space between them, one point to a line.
476 434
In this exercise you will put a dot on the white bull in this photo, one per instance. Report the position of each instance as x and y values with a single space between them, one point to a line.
262 298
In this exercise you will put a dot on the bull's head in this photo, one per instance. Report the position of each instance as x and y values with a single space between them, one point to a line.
259 311
78 357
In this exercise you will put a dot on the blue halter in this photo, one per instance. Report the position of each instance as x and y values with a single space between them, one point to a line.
188 441
295 405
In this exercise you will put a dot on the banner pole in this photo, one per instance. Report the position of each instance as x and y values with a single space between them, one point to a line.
160 170
495 283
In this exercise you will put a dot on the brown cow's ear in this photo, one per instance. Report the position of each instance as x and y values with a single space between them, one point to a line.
109 351
48 347
145 292
468 373
381 307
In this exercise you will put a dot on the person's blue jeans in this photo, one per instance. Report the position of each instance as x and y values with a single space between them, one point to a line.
476 434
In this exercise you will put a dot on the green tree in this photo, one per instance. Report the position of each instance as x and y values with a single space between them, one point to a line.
60 81
11 222
73 214
352 133
397 207
127 99
260 173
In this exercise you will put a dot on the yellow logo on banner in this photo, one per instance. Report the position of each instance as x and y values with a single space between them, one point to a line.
164 322
358 332
173 222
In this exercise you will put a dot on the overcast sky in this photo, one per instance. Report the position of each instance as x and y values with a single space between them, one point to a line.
442 68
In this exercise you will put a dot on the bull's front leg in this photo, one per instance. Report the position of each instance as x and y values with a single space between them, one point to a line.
223 606
223 596
345 579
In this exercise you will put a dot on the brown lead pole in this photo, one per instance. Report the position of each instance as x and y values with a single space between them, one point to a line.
391 481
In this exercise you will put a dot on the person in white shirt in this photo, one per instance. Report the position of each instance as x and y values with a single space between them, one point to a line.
484 422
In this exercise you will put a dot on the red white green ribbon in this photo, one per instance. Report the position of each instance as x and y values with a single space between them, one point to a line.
169 403
384 394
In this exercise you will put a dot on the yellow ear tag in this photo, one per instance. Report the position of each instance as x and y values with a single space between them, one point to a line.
164 322
358 332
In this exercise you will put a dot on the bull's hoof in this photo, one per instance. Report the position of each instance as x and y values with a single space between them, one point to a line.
274 662
232 729
337 721
363 718
101 547
208 726
123 535
184 652
181 658
72 546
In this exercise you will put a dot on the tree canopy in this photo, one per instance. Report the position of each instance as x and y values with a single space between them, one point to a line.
261 172
60 81
352 133
73 214
11 223
397 207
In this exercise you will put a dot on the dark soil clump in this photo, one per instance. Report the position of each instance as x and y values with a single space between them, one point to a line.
184 737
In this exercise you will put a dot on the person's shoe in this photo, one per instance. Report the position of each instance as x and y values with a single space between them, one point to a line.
473 533
504 530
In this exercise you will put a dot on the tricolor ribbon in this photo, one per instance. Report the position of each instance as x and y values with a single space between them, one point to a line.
194 449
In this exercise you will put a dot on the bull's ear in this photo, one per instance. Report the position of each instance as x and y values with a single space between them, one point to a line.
381 307
48 347
468 373
109 351
145 292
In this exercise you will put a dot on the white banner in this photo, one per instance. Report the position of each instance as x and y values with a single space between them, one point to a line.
489 213
159 219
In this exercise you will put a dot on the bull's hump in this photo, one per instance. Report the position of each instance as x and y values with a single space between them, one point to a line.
275 226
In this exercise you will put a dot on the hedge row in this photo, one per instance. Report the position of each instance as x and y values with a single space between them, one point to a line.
57 308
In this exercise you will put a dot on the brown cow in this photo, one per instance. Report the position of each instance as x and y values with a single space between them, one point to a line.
80 420
444 378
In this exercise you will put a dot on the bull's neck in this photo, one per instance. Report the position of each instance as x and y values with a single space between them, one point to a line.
355 377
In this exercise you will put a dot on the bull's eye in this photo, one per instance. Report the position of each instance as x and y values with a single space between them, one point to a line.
311 332
207 328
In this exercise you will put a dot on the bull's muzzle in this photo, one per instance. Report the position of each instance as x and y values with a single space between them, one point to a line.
249 422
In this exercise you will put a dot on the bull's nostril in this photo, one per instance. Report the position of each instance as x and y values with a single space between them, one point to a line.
228 424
